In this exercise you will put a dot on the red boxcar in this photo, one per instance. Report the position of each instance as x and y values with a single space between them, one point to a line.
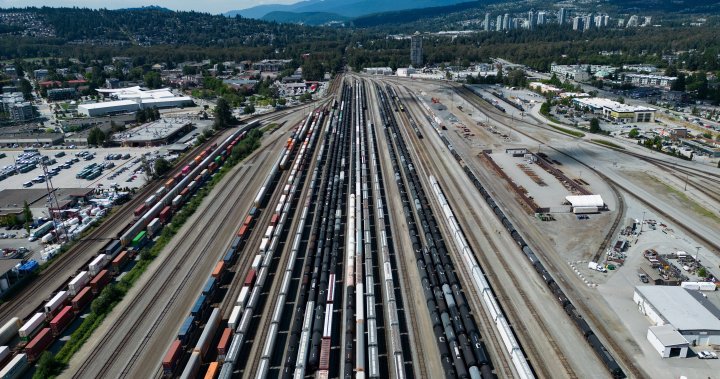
119 262
165 214
248 220
82 299
139 210
242 231
274 219
171 357
62 320
219 269
184 193
250 278
178 177
224 343
212 166
100 281
38 344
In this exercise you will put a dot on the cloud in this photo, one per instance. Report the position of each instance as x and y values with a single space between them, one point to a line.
209 6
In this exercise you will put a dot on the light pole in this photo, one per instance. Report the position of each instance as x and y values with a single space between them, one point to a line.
642 222
697 253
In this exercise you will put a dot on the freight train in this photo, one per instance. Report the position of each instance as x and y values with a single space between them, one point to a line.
608 360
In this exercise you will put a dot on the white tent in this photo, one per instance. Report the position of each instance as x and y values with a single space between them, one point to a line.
586 201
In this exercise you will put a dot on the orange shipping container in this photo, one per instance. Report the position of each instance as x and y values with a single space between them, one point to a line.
213 371
219 268
241 232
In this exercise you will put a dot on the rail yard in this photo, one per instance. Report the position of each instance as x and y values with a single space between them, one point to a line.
394 229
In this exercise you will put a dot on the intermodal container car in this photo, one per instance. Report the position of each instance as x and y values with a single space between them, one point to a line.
119 262
274 219
140 210
4 353
28 330
78 282
82 299
186 330
62 320
15 367
192 367
242 231
213 371
139 240
38 344
250 278
165 214
198 308
224 342
113 248
185 193
172 357
98 264
218 270
100 281
185 170
53 305
170 183
154 227
178 177
210 286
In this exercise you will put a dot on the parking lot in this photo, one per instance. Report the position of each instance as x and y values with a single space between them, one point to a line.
104 167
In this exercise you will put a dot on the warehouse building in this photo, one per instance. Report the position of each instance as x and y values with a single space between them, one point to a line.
616 111
162 132
667 341
108 107
692 315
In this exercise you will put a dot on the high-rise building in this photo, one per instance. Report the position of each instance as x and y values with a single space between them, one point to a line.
541 18
562 16
648 21
598 21
606 20
499 23
577 23
531 20
588 22
487 22
506 22
416 54
515 24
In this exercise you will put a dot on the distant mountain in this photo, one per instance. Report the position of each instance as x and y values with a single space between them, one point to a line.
307 18
345 8
683 6
148 8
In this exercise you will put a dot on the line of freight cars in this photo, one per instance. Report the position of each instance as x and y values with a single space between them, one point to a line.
311 330
490 101
505 99
512 346
462 352
61 310
201 312
44 327
592 339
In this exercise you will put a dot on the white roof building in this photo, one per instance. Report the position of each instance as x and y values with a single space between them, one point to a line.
617 111
694 317
667 341
586 201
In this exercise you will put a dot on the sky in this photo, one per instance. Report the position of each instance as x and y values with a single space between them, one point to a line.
209 6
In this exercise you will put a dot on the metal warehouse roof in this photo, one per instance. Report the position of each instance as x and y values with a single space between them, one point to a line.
679 308
586 201
668 335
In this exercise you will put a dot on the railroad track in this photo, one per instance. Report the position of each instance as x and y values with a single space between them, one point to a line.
111 228
588 313
231 191
228 206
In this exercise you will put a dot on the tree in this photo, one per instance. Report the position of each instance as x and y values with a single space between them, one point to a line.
634 133
223 115
679 84
595 125
140 116
249 109
702 272
48 366
96 137
152 79
545 108
162 167
27 215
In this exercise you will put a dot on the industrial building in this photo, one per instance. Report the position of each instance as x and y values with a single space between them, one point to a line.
615 111
162 132
667 341
378 70
132 99
691 314
416 52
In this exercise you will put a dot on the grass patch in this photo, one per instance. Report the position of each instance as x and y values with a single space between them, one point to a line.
574 133
607 143
697 208
111 295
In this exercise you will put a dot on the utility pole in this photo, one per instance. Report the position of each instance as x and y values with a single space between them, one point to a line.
697 253
642 222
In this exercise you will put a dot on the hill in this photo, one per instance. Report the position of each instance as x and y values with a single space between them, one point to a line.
345 8
307 18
